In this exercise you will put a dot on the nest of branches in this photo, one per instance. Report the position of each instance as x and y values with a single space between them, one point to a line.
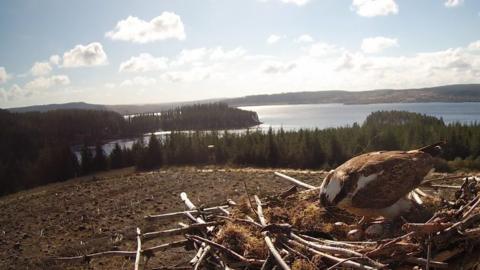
292 231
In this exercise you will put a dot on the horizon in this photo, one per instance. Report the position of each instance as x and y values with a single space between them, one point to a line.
123 53
220 99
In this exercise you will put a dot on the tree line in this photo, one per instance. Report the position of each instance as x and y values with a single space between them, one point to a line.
312 148
29 159
35 147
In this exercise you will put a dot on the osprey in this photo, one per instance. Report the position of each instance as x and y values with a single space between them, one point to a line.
377 184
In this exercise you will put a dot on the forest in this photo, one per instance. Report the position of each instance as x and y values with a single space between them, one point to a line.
35 147
25 163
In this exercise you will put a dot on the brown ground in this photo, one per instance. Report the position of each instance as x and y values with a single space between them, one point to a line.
92 214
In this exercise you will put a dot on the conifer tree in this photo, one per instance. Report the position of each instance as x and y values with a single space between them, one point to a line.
100 160
86 160
116 157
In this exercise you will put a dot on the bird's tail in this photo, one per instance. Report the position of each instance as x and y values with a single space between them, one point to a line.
433 149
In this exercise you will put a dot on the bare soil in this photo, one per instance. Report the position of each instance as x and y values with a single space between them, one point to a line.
101 212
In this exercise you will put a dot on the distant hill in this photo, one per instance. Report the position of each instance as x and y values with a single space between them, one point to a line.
64 106
122 109
447 93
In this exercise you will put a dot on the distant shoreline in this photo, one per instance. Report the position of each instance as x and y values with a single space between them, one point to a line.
349 104
458 93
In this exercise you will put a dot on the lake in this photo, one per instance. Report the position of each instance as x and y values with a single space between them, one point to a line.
335 115
292 117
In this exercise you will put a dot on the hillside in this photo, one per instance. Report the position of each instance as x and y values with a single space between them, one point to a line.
446 93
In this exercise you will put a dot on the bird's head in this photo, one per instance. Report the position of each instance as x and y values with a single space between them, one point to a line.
329 190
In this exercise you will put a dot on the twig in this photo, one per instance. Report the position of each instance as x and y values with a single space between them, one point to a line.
202 257
181 213
177 231
425 228
139 249
347 263
290 191
201 251
226 250
340 262
467 214
146 252
429 252
336 250
242 220
295 181
248 197
423 261
446 186
267 238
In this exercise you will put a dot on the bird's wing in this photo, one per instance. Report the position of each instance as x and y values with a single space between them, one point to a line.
397 173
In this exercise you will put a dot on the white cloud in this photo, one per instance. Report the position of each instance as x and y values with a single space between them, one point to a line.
41 69
191 56
272 39
372 8
195 74
346 61
85 55
220 54
378 44
303 39
42 83
322 49
14 92
3 75
295 2
138 81
55 59
474 45
143 63
274 67
198 56
166 26
453 3
110 85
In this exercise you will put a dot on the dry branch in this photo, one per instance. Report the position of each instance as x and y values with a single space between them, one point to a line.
295 181
146 252
267 238
139 249
178 231
341 261
227 251
215 209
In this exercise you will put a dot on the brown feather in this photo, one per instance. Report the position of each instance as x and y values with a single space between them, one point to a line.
399 172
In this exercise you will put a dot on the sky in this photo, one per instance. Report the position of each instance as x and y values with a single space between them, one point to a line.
152 51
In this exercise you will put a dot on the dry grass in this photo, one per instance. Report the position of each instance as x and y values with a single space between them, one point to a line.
242 239
302 264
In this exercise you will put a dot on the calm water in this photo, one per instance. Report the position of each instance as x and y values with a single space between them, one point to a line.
292 117
335 115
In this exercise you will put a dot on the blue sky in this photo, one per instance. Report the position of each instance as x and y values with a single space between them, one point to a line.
121 52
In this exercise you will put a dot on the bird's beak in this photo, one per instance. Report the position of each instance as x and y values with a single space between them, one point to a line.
324 201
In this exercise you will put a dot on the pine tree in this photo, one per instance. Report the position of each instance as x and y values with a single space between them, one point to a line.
152 157
100 159
86 160
116 157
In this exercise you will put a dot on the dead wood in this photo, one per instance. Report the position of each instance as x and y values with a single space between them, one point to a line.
295 181
267 238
